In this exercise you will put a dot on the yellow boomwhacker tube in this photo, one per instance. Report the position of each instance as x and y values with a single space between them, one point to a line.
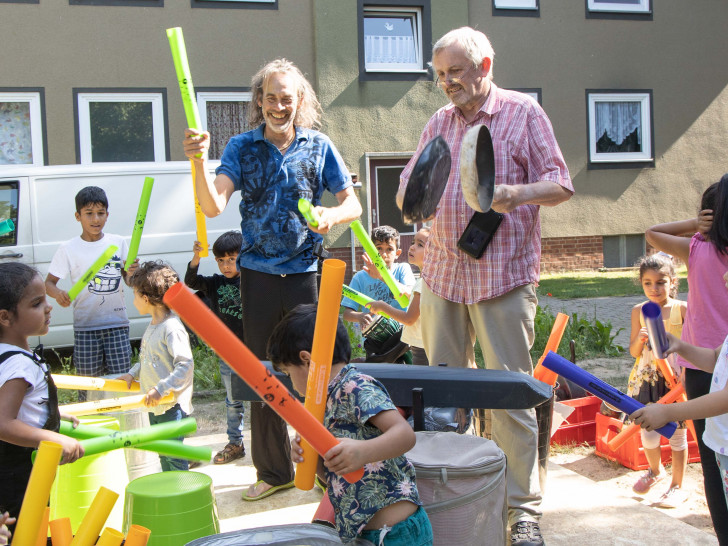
37 493
137 536
110 404
110 537
322 351
93 383
184 78
61 532
96 516
43 530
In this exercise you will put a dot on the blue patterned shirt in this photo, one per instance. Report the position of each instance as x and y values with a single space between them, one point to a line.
354 398
276 238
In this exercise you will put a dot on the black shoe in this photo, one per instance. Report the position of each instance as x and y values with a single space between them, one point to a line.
526 533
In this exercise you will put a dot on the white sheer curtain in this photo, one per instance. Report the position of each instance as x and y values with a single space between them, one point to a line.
390 49
225 120
618 120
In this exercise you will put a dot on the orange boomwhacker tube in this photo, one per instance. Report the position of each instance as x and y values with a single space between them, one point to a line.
43 531
37 493
322 351
96 516
213 331
61 532
542 373
626 433
667 372
137 536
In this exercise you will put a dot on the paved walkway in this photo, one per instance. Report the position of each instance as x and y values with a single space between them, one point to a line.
615 310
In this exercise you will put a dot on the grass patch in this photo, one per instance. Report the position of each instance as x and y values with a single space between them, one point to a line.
590 284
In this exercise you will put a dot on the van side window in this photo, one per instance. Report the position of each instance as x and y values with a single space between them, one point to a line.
8 211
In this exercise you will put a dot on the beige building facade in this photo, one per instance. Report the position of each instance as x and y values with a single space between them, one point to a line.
636 92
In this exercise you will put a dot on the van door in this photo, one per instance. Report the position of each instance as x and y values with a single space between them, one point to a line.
16 245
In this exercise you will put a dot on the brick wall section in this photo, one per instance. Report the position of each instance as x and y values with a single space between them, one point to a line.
571 253
344 254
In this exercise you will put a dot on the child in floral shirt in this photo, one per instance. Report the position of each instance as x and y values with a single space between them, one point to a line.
384 506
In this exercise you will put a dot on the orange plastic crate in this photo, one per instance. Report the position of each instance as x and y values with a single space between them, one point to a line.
580 427
631 454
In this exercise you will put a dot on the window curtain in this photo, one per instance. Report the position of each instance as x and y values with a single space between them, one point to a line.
618 126
16 145
225 120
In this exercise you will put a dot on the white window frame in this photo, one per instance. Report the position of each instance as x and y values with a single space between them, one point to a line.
242 1
84 120
646 128
203 97
516 4
36 122
618 7
414 11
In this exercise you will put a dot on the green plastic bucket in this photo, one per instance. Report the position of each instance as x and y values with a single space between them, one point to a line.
76 484
176 506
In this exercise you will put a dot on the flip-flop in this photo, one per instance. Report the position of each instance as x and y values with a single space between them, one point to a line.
267 493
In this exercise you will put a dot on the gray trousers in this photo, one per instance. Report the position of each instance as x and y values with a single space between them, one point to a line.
504 326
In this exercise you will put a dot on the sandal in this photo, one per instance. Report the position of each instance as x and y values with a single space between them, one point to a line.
229 453
267 493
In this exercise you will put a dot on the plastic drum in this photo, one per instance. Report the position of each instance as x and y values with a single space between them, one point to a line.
77 483
381 329
177 507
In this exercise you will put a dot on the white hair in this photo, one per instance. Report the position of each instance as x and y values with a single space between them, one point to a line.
476 45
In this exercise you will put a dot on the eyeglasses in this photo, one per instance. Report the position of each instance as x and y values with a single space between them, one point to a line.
456 75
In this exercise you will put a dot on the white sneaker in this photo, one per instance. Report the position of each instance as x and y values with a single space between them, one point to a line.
672 498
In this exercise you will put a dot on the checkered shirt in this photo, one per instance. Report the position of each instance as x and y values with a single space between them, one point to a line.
526 151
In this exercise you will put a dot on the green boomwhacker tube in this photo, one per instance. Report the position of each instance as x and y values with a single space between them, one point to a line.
182 68
184 77
170 448
91 271
141 217
129 438
306 209
359 298
378 262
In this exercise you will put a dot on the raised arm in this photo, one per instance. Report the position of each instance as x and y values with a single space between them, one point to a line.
672 237
212 193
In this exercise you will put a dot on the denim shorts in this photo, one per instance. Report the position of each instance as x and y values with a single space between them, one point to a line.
414 531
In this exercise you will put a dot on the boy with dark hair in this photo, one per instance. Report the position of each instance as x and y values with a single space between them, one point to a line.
223 294
374 436
100 324
369 282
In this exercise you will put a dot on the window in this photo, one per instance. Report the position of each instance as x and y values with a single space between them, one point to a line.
622 250
620 6
392 40
224 114
254 4
534 92
8 213
146 3
523 8
638 10
121 127
21 127
620 128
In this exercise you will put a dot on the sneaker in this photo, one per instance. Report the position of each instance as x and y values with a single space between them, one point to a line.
672 498
229 453
526 533
648 479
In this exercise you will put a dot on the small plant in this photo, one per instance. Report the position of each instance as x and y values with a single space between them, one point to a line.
207 370
356 340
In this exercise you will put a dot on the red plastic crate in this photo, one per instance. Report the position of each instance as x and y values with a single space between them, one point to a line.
631 454
580 427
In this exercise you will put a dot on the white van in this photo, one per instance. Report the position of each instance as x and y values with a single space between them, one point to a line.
40 202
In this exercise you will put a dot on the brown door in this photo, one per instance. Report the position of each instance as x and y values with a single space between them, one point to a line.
384 175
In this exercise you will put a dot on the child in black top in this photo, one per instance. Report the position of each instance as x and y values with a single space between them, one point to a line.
223 295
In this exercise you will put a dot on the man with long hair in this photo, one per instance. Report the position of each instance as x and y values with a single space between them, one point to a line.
283 159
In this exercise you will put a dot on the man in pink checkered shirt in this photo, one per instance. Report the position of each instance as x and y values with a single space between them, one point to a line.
492 298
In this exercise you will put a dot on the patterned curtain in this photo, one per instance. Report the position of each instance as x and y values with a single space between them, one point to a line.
16 145
618 127
225 120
